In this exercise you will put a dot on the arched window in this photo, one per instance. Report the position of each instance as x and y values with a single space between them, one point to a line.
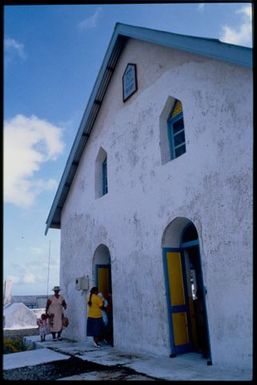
101 176
172 130
104 176
176 131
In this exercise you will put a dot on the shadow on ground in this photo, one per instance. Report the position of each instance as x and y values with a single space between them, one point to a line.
73 366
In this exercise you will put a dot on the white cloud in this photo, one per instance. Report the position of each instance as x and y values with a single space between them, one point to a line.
25 278
91 21
37 251
33 272
242 35
29 278
22 274
28 143
13 47
246 10
201 7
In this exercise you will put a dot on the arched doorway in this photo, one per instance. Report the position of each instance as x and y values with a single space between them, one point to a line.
185 291
103 280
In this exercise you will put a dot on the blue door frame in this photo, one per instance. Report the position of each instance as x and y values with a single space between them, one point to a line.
178 330
182 308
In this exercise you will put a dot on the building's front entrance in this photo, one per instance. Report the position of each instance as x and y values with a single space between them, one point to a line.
185 291
102 277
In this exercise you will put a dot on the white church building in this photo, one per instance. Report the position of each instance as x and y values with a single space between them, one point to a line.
155 201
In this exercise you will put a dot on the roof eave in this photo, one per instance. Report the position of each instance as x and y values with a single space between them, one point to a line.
104 76
211 48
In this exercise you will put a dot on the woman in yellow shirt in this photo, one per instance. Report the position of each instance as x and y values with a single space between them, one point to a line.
94 316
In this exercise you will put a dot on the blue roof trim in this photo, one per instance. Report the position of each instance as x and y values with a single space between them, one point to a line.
211 48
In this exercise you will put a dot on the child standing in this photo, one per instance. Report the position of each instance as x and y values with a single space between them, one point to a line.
103 310
104 318
43 326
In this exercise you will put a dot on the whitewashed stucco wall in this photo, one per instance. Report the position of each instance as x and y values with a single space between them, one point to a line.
211 185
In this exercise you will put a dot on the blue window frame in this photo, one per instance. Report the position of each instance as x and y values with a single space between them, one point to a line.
104 177
176 131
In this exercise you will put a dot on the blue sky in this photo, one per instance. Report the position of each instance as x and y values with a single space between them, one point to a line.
52 55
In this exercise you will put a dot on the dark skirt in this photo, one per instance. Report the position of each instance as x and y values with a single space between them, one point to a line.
94 327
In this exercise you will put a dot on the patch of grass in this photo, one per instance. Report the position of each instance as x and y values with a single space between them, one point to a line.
14 345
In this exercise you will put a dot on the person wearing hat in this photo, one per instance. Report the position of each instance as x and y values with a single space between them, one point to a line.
54 308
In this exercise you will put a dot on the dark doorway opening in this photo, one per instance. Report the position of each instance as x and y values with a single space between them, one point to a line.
198 325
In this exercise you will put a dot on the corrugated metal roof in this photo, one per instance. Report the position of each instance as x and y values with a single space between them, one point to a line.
211 48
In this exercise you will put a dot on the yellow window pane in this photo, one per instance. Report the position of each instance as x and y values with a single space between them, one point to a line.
175 278
103 279
177 109
180 328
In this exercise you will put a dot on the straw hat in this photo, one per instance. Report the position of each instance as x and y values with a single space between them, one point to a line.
56 288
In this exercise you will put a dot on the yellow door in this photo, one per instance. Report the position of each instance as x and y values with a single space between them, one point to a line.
103 277
177 301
